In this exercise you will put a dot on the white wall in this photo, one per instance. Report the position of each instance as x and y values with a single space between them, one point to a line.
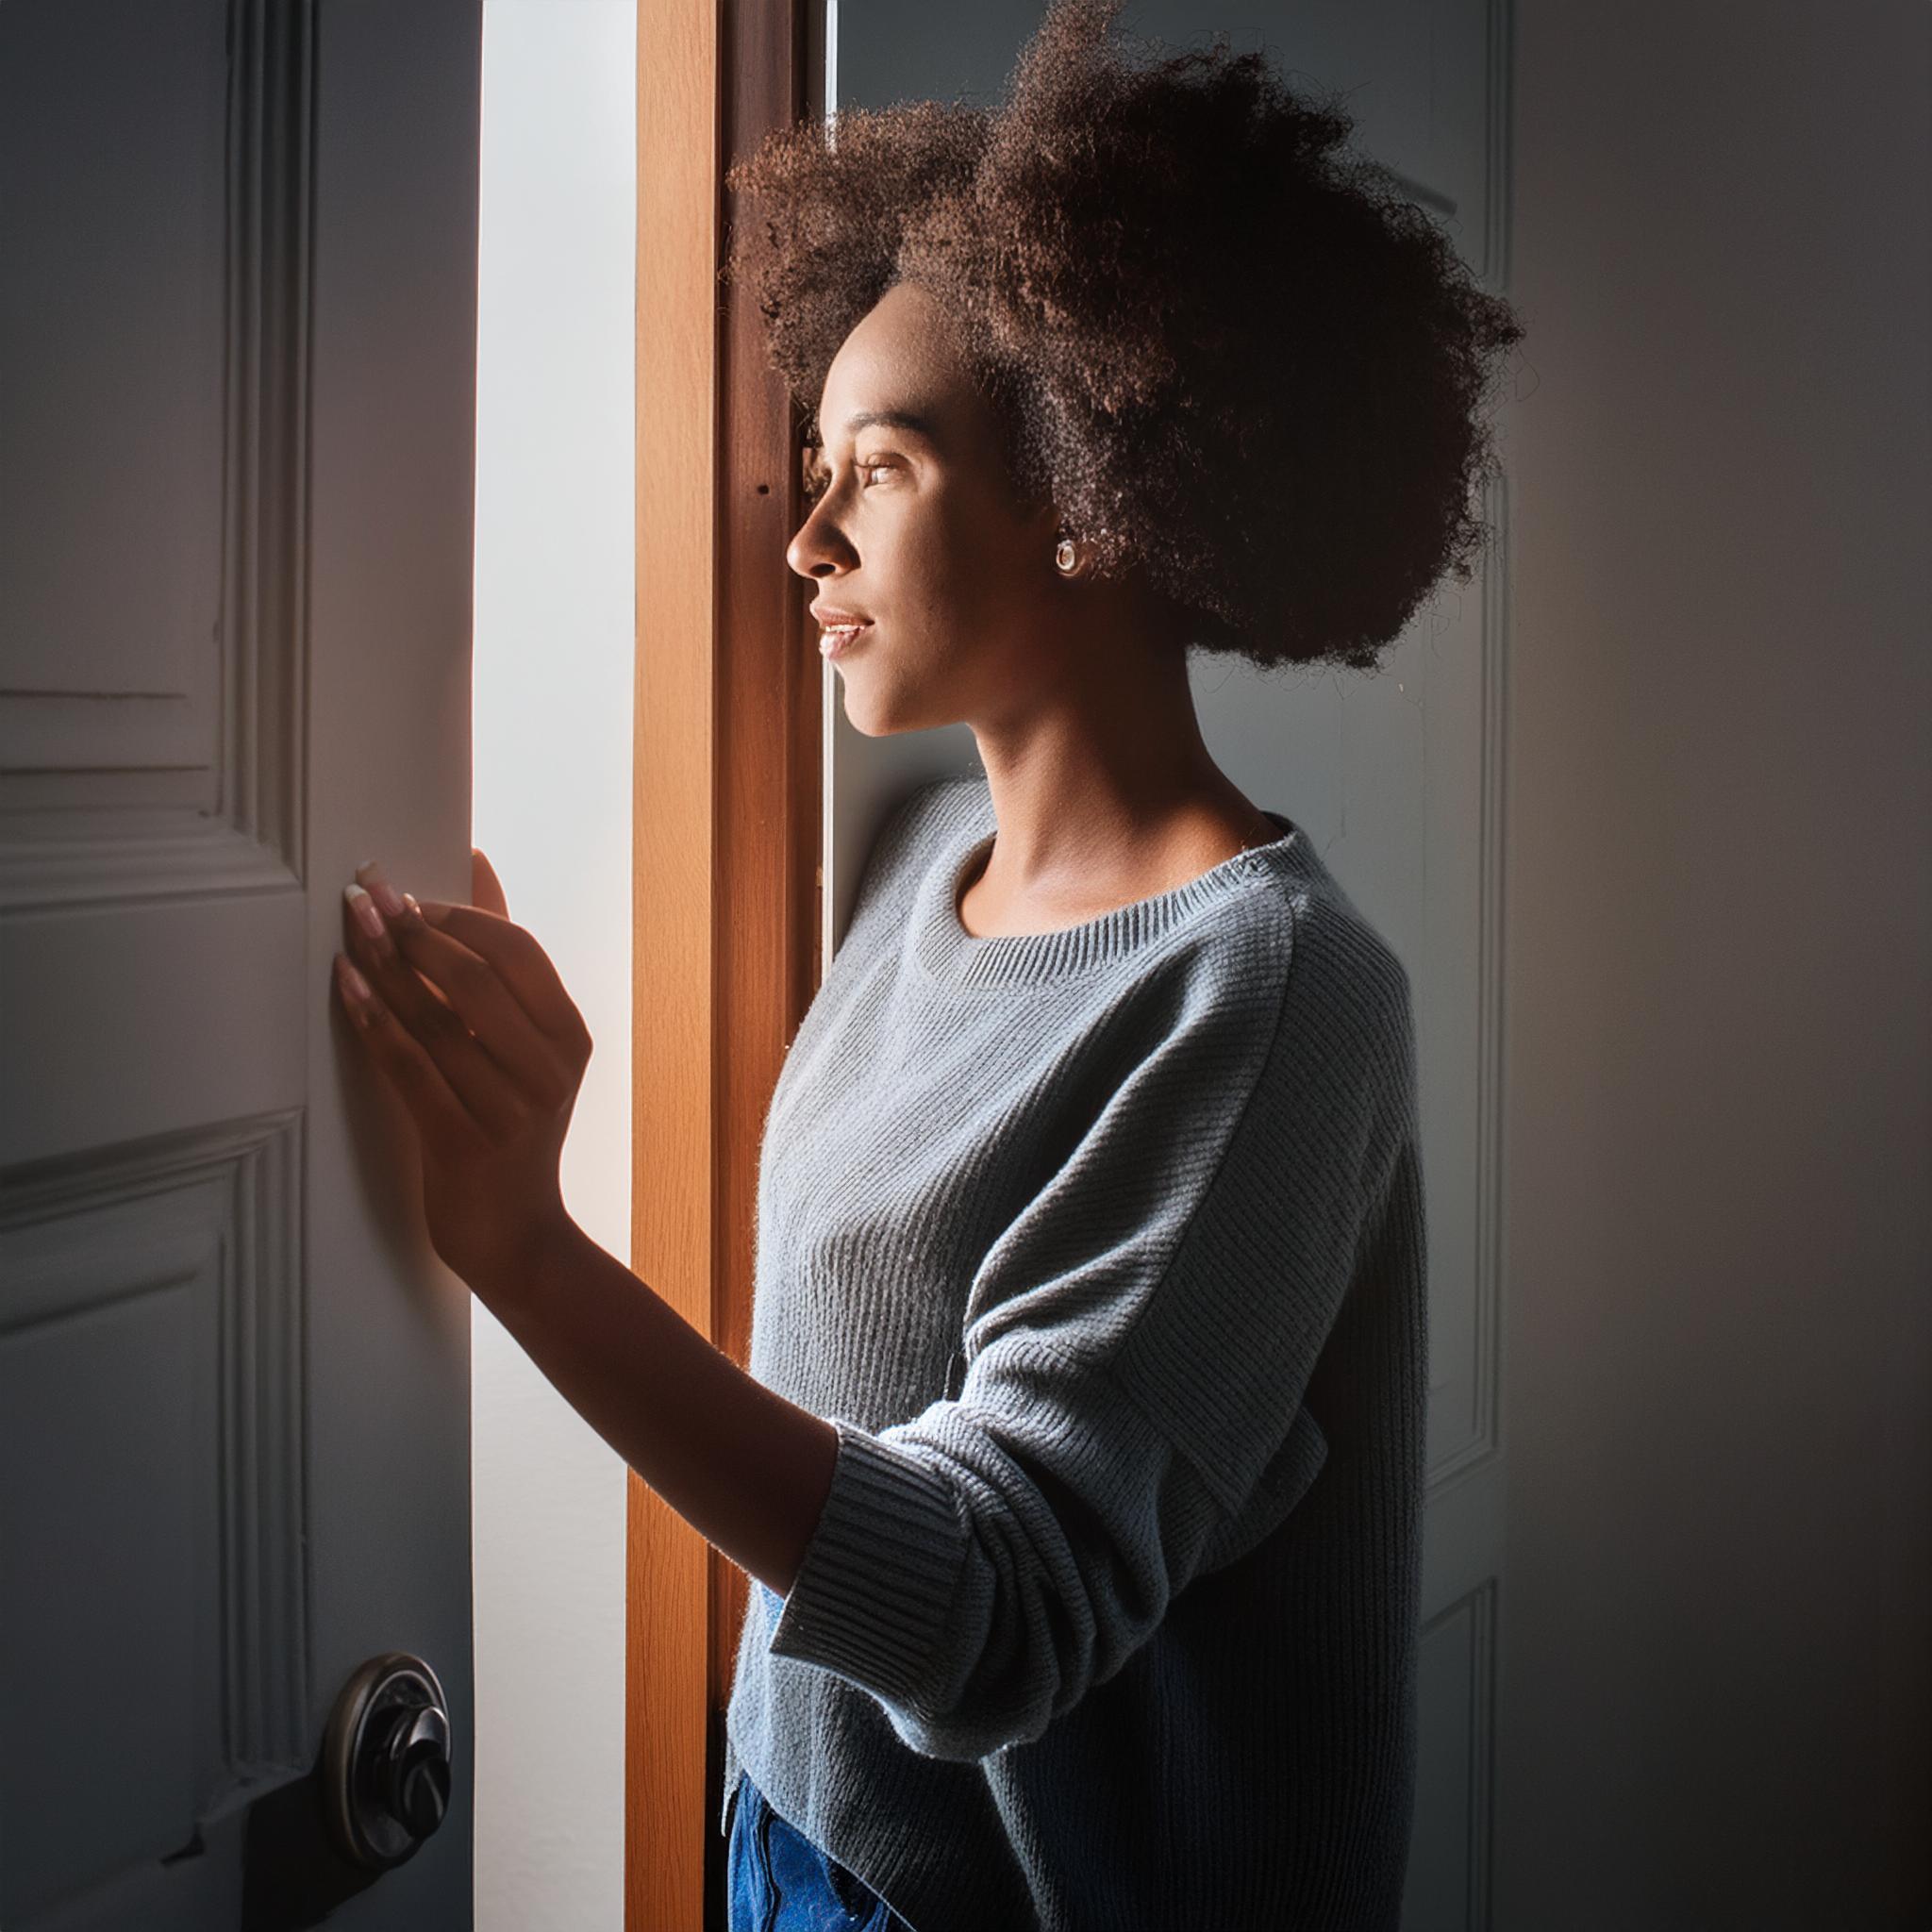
1715 1706
553 715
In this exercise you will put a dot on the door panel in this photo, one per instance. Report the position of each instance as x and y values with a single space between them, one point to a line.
237 368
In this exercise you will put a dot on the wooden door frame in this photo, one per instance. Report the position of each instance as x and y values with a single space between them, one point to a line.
726 840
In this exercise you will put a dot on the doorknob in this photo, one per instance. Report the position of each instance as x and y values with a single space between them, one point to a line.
386 1760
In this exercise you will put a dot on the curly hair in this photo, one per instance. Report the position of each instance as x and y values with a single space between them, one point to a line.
1227 348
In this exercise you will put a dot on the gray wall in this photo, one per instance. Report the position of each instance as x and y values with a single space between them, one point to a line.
1714 1704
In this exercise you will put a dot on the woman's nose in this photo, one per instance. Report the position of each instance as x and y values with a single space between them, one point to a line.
810 555
819 545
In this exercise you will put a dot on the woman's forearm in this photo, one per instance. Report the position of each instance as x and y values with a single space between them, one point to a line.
747 1469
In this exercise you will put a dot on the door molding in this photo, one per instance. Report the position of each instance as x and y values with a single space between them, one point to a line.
726 837
196 1234
123 794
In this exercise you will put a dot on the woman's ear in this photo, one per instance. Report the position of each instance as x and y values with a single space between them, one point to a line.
1041 523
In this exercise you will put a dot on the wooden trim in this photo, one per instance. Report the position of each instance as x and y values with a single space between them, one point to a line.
726 835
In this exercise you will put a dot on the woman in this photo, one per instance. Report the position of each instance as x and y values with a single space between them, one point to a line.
1078 1466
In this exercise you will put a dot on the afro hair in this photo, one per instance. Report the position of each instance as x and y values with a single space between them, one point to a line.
1227 348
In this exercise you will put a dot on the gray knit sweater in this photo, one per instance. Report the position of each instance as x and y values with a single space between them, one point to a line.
1103 1250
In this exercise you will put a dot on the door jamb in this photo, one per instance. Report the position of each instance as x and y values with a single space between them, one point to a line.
726 832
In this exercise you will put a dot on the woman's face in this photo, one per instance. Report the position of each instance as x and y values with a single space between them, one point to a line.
918 531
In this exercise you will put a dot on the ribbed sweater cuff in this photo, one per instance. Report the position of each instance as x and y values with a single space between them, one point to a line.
871 1599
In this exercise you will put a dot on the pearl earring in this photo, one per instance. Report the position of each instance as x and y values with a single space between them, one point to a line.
1065 556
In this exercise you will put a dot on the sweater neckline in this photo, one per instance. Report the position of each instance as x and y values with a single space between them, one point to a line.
947 953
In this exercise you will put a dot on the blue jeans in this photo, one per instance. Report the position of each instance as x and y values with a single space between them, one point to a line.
778 1881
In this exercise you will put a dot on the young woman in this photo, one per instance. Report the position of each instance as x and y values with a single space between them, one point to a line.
1079 1468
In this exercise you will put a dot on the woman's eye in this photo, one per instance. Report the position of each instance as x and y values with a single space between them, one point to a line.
818 481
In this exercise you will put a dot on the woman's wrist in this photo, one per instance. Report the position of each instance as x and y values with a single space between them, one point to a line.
519 1274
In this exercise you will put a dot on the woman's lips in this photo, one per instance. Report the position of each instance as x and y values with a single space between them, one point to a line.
836 640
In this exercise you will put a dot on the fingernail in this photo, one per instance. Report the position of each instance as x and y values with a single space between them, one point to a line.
385 894
363 907
353 982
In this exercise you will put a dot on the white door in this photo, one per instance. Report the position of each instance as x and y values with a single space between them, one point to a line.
236 396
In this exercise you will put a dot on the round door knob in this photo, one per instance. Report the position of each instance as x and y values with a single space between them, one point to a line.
386 1760
414 1777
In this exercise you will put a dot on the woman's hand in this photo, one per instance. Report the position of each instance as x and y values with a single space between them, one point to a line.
468 1021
